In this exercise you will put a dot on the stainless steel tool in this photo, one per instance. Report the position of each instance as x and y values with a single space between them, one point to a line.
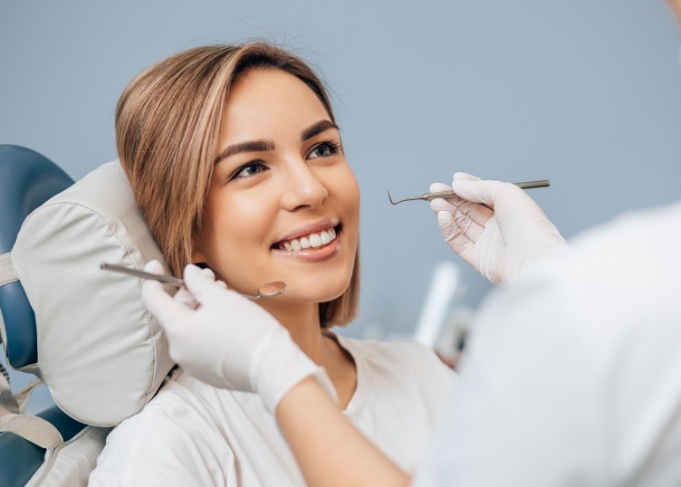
543 183
268 290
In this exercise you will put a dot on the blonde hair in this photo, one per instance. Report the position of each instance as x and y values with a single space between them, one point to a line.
167 124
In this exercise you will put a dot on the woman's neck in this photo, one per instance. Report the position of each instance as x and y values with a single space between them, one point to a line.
302 322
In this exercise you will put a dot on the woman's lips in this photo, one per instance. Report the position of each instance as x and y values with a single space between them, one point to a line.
312 240
312 247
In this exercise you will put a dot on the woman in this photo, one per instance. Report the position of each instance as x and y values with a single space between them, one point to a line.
237 164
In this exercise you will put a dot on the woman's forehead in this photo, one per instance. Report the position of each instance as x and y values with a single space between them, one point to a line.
262 99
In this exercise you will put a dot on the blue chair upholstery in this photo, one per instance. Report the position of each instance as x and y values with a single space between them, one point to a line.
20 459
27 180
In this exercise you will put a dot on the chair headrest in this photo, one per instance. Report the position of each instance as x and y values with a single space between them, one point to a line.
27 180
100 352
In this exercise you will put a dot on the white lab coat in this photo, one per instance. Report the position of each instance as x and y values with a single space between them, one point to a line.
573 372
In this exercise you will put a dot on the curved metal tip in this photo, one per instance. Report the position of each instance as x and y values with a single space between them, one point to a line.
413 198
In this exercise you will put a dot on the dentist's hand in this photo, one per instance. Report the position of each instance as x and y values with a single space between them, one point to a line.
493 226
225 340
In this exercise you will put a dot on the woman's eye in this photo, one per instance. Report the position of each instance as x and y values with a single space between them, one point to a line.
325 149
250 169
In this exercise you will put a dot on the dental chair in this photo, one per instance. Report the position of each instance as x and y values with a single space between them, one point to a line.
82 331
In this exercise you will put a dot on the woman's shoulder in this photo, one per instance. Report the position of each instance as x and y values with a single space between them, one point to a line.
175 413
406 358
160 444
401 351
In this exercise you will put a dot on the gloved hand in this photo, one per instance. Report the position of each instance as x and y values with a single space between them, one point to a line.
495 227
225 340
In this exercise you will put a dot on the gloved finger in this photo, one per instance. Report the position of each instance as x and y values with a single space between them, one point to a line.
467 218
462 211
167 311
185 297
448 226
154 266
441 204
477 212
477 191
201 284
439 187
209 274
463 176
471 229
158 301
456 239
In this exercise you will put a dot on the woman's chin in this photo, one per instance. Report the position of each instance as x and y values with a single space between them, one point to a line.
313 294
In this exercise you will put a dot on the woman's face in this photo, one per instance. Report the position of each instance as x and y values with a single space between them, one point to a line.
283 203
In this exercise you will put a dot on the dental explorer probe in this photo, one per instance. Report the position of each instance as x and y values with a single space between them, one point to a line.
543 183
268 290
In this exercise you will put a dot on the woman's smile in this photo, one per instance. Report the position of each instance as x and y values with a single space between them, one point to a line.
311 242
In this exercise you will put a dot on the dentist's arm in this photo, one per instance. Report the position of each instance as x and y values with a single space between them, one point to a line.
330 451
495 227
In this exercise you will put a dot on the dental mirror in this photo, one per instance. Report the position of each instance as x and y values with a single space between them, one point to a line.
268 290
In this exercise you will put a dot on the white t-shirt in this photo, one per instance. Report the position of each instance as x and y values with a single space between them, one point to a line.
194 434
572 376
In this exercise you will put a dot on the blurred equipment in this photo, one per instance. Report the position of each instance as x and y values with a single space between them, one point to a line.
443 287
443 325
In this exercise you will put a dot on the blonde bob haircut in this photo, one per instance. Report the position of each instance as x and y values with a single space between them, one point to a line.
167 125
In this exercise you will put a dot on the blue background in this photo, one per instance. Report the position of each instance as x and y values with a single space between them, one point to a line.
586 93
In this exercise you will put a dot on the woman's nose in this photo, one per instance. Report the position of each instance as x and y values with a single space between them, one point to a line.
304 189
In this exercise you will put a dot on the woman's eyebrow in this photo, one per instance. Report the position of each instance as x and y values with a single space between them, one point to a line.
250 146
267 145
317 128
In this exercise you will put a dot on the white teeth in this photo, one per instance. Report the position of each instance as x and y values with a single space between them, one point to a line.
314 240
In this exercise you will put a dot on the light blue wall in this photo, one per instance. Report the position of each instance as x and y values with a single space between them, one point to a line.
584 92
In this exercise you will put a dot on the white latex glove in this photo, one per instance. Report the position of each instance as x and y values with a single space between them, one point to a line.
226 340
495 227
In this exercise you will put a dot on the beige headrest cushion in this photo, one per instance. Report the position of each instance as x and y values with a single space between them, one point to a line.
100 353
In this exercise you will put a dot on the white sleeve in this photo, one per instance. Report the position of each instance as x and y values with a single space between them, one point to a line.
521 414
572 376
